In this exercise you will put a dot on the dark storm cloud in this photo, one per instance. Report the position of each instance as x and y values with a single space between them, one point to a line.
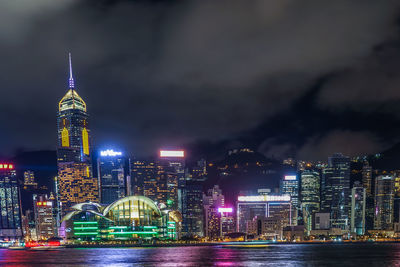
372 84
156 73
346 142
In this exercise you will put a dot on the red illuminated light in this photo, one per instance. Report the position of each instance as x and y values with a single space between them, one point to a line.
6 166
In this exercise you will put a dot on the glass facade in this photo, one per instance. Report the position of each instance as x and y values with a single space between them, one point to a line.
247 210
310 196
358 204
10 219
113 178
384 198
336 191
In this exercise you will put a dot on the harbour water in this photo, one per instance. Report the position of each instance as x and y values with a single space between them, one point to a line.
364 254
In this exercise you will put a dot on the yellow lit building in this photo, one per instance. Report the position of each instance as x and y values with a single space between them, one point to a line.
76 185
75 180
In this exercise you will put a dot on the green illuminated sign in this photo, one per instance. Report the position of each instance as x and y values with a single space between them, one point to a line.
150 227
85 228
86 233
85 222
133 233
118 227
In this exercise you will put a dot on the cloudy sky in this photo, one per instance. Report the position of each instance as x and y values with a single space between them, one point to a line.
287 77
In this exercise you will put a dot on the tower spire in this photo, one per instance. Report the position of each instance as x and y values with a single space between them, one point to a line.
71 84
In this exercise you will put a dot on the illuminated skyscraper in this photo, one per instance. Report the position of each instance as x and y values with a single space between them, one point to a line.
290 186
212 217
45 216
367 179
336 191
73 150
10 210
191 198
29 179
358 204
171 165
384 197
310 196
113 179
367 184
249 207
150 180
143 177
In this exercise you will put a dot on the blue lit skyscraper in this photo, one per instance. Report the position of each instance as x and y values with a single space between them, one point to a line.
114 181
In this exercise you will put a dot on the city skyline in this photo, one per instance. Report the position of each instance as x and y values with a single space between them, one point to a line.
327 89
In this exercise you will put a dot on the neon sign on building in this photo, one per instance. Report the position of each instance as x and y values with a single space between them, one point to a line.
221 210
172 153
264 198
110 153
6 166
290 177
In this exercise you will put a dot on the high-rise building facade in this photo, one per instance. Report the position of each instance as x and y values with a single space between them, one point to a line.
367 178
310 196
172 165
114 181
290 186
212 219
192 209
249 207
29 179
74 150
143 178
358 205
335 189
10 209
214 197
213 200
44 208
191 198
384 198
367 183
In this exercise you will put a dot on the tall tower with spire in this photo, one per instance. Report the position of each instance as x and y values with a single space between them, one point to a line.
75 180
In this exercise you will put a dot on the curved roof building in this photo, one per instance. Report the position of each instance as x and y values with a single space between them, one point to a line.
130 217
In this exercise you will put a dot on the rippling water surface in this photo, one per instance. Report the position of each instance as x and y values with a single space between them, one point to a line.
275 255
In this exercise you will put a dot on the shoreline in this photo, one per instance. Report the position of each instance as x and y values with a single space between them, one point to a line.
222 244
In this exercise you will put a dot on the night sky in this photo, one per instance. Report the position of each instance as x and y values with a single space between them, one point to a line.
287 78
